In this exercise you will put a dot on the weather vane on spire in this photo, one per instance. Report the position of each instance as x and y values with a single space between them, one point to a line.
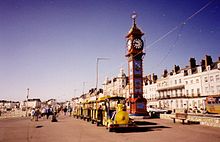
134 16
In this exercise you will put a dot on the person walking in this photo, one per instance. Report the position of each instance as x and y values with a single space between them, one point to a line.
36 115
70 110
65 110
32 114
47 112
43 112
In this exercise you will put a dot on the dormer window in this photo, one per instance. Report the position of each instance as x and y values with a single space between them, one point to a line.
199 69
217 77
205 79
208 67
189 71
218 65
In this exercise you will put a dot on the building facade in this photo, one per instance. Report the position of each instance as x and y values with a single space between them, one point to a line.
185 88
118 86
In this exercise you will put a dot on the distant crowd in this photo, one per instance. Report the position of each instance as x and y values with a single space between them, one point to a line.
46 112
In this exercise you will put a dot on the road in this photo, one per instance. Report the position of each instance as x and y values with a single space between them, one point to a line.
69 129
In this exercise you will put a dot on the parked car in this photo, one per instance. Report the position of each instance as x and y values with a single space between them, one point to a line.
155 112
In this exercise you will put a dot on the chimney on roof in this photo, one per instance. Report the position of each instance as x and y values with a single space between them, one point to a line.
165 73
208 60
154 78
192 63
146 80
176 68
202 63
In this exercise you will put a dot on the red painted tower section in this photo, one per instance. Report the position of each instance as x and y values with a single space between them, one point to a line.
135 55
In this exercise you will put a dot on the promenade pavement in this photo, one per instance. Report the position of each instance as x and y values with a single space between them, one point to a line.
69 129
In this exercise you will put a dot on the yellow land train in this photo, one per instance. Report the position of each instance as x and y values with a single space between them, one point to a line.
78 111
99 110
115 114
213 104
106 111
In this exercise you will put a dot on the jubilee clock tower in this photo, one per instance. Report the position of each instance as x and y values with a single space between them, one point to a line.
135 55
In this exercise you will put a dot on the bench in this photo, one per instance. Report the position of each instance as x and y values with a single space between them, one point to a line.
180 116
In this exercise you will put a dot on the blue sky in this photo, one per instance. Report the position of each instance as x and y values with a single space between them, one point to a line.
51 46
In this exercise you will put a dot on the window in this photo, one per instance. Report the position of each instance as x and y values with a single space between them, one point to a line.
181 103
217 78
179 80
177 104
211 78
192 92
198 91
186 82
180 92
197 80
175 81
218 88
212 89
206 89
205 79
146 91
174 93
208 68
191 81
187 93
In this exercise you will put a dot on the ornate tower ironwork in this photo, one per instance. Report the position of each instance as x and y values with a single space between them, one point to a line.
135 55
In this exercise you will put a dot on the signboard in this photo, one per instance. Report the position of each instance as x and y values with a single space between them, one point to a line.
140 105
137 67
138 86
138 83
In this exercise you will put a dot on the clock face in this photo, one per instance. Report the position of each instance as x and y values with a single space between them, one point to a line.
137 43
129 44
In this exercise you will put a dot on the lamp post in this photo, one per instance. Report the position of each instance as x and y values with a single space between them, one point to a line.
27 101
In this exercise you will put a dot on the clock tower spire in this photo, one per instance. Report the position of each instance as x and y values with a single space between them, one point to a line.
135 54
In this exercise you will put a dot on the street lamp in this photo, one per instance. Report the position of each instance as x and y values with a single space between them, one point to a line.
27 101
97 70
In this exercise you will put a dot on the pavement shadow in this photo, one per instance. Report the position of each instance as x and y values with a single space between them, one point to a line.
141 126
39 126
144 123
140 129
193 123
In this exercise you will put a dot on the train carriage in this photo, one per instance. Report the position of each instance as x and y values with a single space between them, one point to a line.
100 110
78 110
85 110
93 111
